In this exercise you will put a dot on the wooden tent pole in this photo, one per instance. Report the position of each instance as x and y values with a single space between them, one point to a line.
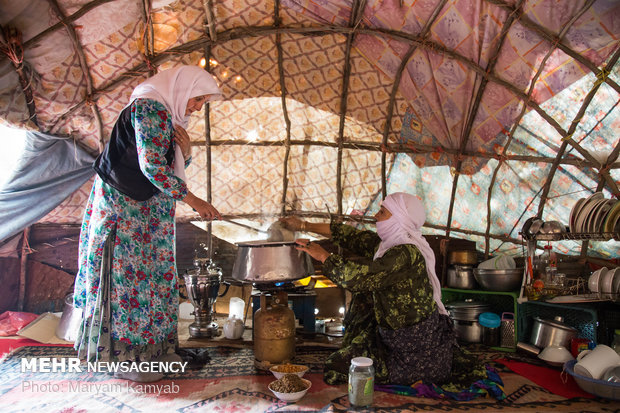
23 271
258 31
476 103
571 130
356 14
557 40
148 36
409 147
211 29
90 100
11 42
208 166
283 94
503 156
398 76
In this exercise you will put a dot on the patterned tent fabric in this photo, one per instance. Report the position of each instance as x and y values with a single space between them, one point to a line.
491 111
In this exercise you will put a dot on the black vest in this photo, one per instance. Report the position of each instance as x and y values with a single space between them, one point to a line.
118 163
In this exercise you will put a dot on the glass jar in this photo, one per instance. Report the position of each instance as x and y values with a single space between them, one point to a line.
361 382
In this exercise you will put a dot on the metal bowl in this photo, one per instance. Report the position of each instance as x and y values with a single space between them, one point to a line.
499 280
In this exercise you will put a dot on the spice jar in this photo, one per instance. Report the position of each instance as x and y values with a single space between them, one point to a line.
361 382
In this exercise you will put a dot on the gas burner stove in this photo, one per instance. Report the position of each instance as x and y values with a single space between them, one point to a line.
274 287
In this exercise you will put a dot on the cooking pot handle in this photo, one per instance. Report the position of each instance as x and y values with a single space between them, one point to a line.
227 284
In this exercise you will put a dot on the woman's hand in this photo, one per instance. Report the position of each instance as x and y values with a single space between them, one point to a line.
202 207
181 138
292 223
313 249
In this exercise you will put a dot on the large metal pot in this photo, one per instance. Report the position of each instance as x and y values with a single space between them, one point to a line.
464 315
551 333
268 262
461 276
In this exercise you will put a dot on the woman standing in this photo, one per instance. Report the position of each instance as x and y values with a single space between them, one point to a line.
127 279
396 316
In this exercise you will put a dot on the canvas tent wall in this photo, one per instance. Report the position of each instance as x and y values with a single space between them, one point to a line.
491 111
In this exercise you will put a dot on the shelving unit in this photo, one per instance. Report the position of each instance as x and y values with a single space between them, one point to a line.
585 318
533 239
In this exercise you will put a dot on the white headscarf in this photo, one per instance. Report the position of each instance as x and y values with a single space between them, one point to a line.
403 227
173 88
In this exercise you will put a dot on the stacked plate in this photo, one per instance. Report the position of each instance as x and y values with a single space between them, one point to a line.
595 214
606 283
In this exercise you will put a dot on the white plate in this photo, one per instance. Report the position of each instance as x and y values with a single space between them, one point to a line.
585 209
613 218
601 214
616 285
606 284
582 218
592 217
573 214
594 280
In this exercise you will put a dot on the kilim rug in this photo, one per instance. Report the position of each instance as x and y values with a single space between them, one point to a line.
229 382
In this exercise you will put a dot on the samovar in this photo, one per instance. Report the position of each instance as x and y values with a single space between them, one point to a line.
203 286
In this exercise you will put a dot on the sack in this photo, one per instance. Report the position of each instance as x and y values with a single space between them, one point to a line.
11 322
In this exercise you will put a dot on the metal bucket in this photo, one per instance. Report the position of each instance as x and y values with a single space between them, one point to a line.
70 321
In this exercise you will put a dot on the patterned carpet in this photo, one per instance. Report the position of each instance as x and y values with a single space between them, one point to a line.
228 382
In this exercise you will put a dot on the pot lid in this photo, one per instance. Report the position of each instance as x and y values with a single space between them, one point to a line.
556 322
468 303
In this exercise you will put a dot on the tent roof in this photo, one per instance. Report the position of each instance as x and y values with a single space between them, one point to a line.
491 111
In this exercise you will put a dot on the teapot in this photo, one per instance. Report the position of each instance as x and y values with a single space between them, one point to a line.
233 328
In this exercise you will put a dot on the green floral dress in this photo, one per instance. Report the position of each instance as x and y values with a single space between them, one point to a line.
392 317
127 279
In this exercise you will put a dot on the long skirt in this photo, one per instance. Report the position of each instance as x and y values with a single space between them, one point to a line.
127 282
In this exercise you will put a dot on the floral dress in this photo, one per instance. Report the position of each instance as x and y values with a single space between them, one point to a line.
127 279
393 318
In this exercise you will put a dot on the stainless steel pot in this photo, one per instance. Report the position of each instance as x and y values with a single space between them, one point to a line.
551 333
268 262
467 330
461 276
464 315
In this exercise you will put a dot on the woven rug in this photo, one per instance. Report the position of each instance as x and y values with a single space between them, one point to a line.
229 382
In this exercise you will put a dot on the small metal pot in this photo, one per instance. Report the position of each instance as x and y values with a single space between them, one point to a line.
463 257
551 333
461 276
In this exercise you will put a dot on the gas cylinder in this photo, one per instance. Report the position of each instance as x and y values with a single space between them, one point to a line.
274 332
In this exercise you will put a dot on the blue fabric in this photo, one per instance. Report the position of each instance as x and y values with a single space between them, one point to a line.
50 169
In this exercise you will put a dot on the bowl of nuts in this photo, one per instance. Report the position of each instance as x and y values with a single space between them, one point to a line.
290 388
281 369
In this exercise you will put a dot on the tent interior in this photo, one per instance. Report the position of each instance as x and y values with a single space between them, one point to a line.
490 111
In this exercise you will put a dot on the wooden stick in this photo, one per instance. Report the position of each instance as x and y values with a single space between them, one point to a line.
541 67
283 94
23 271
85 70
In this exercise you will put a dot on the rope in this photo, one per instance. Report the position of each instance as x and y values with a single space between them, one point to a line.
12 45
